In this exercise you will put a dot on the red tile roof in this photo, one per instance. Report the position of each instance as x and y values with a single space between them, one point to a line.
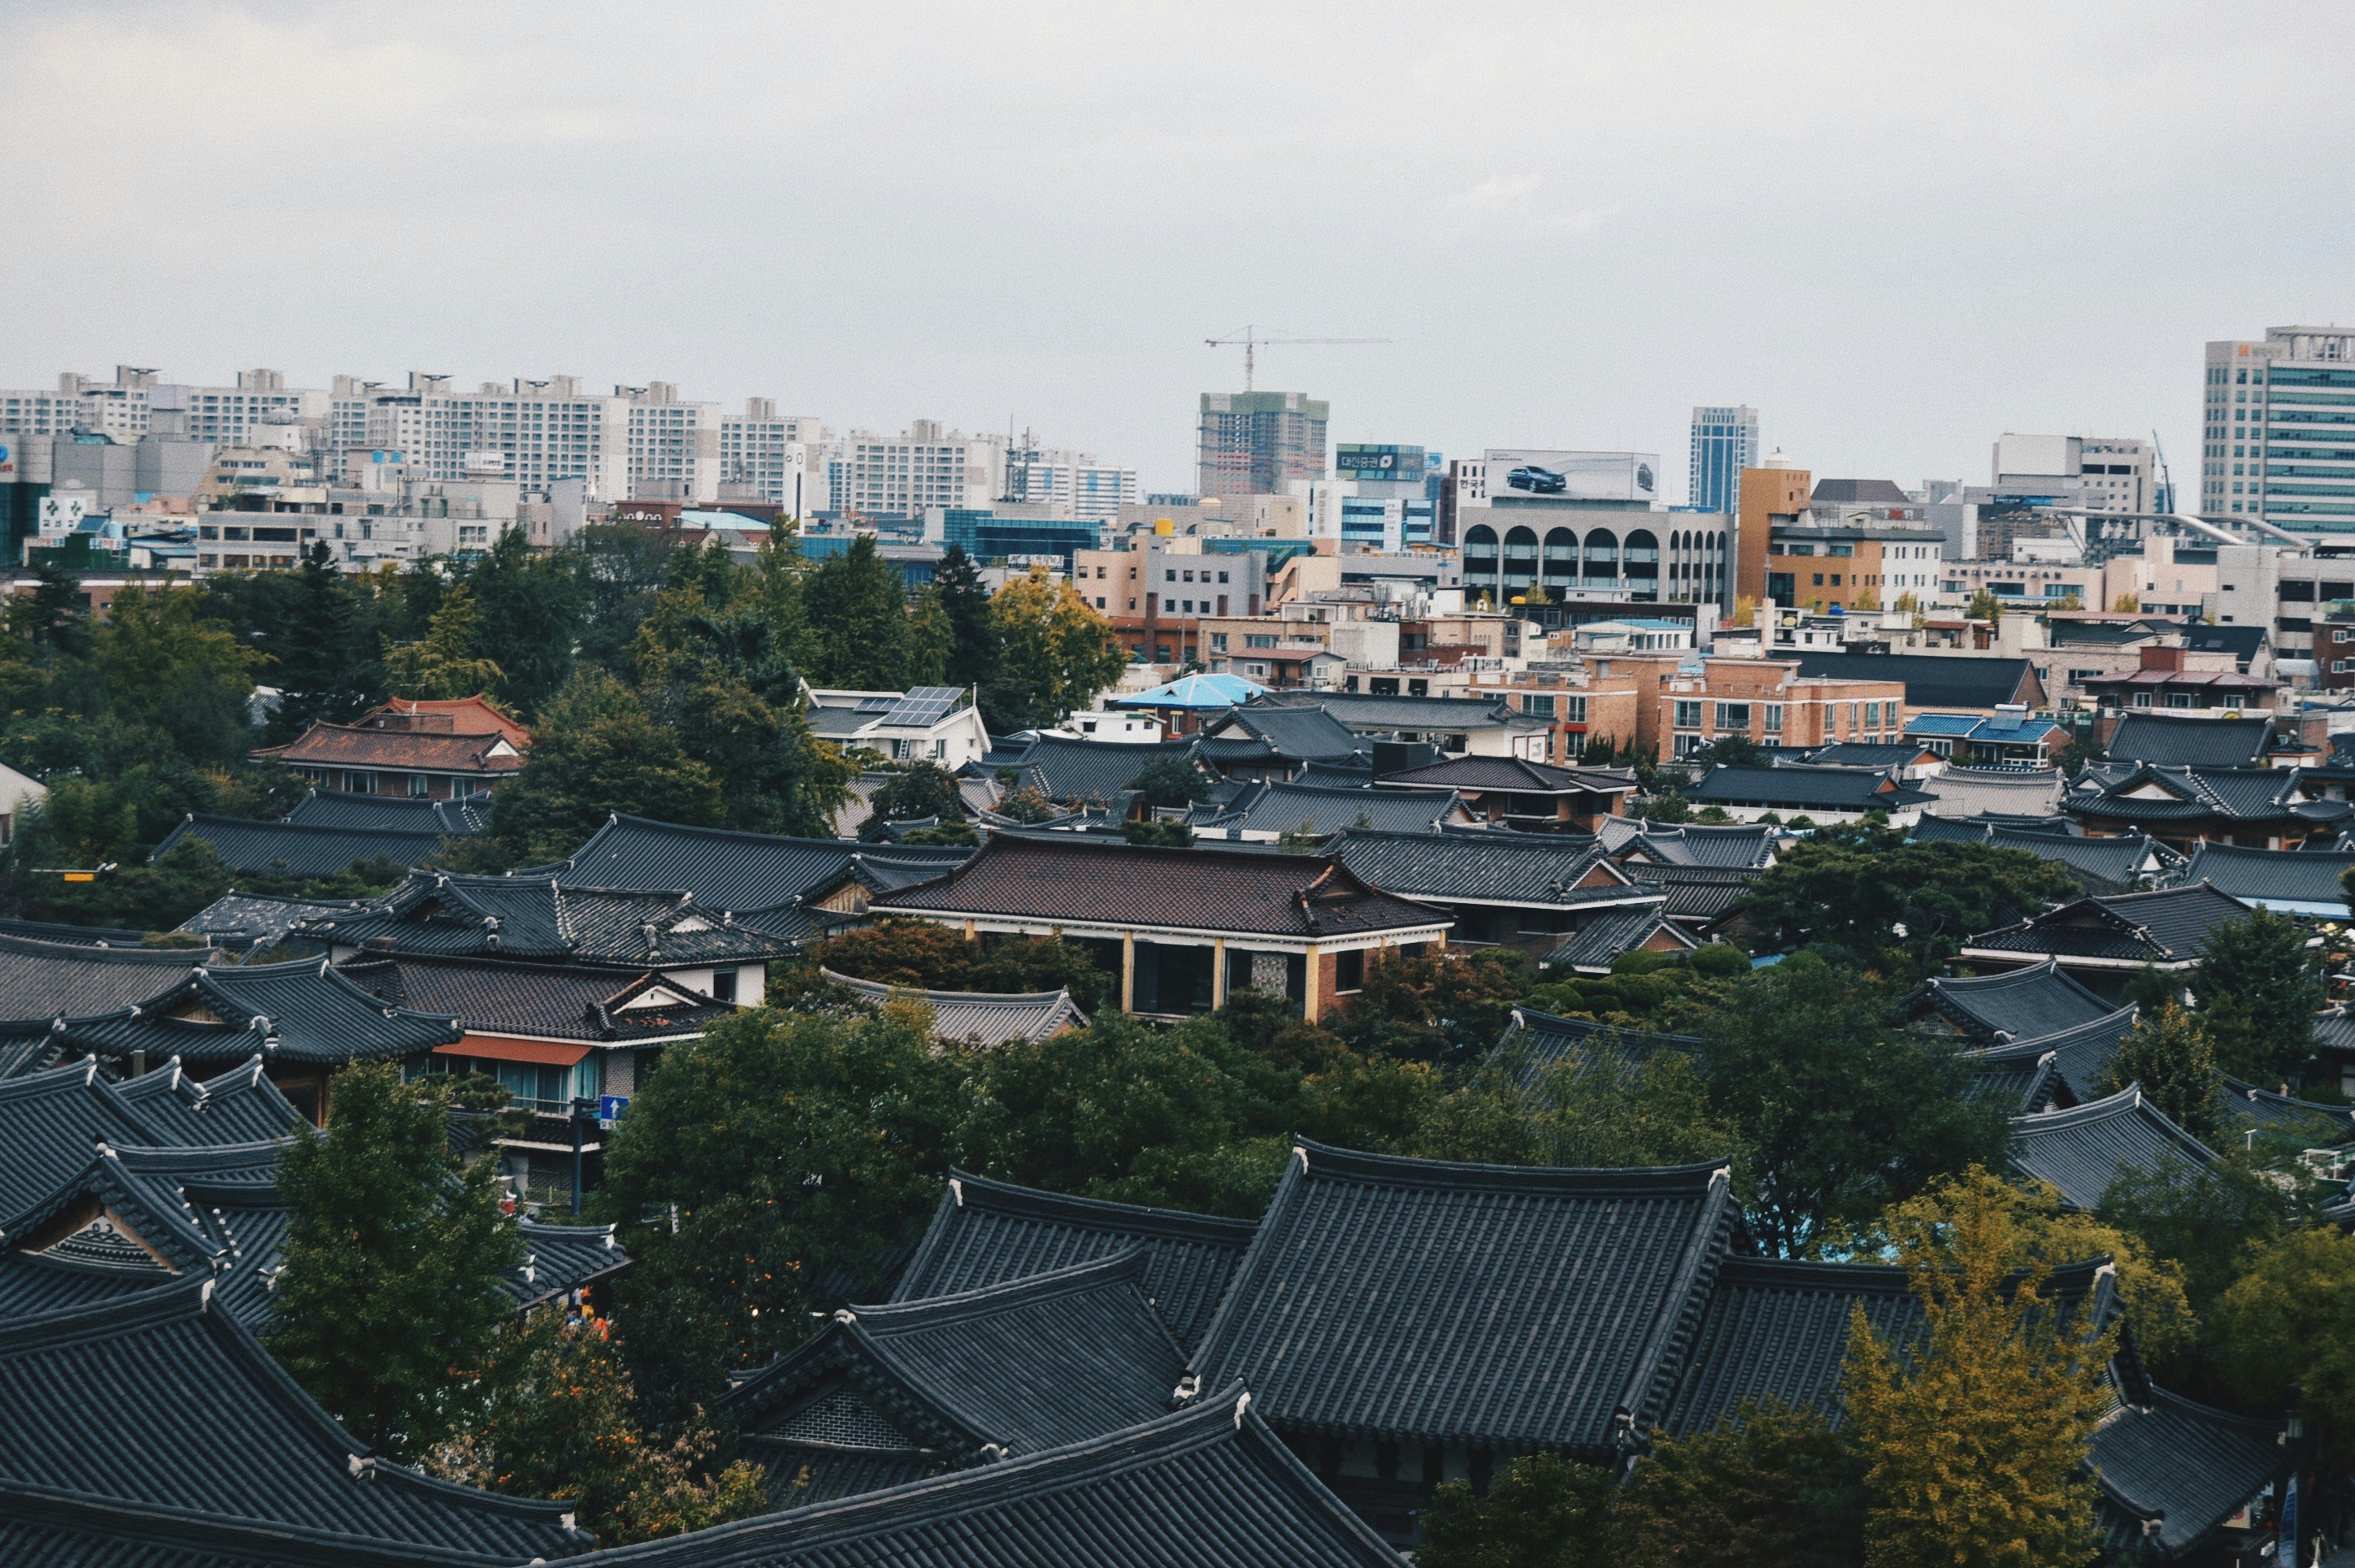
447 716
348 746
1098 882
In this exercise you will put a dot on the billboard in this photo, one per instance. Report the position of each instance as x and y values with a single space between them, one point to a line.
1530 474
1365 460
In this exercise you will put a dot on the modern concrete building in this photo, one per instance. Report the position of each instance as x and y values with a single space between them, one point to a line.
1259 443
779 459
2278 430
1724 442
1772 495
2098 473
924 465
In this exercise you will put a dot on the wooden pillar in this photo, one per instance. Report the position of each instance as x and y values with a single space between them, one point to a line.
1308 983
1218 974
1439 942
971 931
1128 971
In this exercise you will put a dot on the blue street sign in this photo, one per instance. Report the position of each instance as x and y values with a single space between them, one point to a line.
610 1107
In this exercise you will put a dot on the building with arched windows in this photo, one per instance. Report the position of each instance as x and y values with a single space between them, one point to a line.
1585 549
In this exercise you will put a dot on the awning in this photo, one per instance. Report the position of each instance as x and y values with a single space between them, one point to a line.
491 1048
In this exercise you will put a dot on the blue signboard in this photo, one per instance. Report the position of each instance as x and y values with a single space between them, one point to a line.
610 1107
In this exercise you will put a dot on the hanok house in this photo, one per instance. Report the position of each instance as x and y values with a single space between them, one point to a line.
1182 928
1523 794
2104 941
438 751
1526 891
302 1020
556 1034
1820 794
977 1017
2264 808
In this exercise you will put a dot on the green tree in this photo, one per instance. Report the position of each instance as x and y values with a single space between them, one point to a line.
973 644
620 567
1842 1112
858 625
388 1298
441 664
1172 782
927 955
595 750
166 666
54 618
561 1422
1157 835
323 656
533 607
1432 1006
1887 902
1984 606
1975 1438
2168 1054
1543 1512
1666 807
1767 1486
2200 1218
2290 1320
1056 655
922 789
1732 750
2259 992
1624 1108
799 1152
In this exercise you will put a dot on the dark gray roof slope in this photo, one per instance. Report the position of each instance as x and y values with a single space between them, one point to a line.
2082 1150
300 1011
981 1017
561 1259
2180 1467
405 813
44 980
1280 807
2146 792
240 1105
1740 846
2175 741
1286 734
2081 1052
1863 754
1540 870
1804 789
2273 876
988 1233
558 1001
1211 1484
1487 1305
299 849
1596 944
2027 1003
60 932
1545 1041
1779 1329
1934 680
2169 927
2285 1116
258 920
541 917
744 872
1367 714
51 1122
2104 865
163 1401
1064 768
1513 775
1007 1369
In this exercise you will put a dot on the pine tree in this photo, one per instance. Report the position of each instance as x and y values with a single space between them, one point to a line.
856 607
322 665
1975 1438
2258 988
2169 1053
597 750
1544 1512
441 664
390 1299
1767 1486
973 636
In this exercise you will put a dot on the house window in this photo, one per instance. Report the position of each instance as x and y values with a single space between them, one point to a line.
1774 719
1537 705
1687 716
1733 715
420 785
723 984
1576 710
1872 715
1349 971
1218 641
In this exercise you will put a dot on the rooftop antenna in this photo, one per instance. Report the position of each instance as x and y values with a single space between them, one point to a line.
1251 341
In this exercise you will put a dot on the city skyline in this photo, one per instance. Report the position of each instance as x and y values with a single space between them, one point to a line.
1596 223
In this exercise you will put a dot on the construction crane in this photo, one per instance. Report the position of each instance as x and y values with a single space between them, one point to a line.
1251 342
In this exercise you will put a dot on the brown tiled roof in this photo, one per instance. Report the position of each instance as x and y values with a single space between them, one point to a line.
449 715
1102 883
348 746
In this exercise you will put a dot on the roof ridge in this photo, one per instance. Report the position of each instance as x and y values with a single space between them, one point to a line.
967 1190
1319 1161
883 1318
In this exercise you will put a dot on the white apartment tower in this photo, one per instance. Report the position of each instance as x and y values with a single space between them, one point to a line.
773 457
924 466
2277 429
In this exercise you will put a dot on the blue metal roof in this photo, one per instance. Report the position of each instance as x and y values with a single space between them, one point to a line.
1203 691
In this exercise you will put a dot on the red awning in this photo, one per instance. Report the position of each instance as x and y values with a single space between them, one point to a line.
493 1047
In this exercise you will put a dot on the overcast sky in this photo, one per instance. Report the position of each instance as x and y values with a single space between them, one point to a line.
1896 233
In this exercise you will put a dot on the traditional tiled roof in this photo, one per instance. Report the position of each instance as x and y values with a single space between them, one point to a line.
2282 1116
51 1124
1514 776
2170 927
1536 871
2273 877
2175 741
988 1232
2020 1078
354 746
1003 1369
1934 680
2084 1149
1593 947
1971 792
1211 1484
60 933
1543 1042
240 1105
1286 734
2334 1032
298 850
1698 898
727 868
1747 846
557 1002
2081 1052
258 920
1058 879
2144 792
542 917
476 715
1864 754
980 1018
2105 865
300 1011
395 813
2172 1472
1367 714
1779 1329
43 980
161 1404
2027 1003
1065 768
1487 1306
1279 808
561 1259
1804 789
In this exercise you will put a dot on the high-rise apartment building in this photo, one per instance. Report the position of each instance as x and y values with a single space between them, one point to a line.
1069 483
2277 431
535 433
1724 442
773 457
924 465
1260 443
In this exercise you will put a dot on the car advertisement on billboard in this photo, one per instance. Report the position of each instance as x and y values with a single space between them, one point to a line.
1530 475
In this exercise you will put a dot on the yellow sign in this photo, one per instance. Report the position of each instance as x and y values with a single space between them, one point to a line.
81 876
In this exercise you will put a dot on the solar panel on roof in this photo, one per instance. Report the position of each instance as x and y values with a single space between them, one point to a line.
923 705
